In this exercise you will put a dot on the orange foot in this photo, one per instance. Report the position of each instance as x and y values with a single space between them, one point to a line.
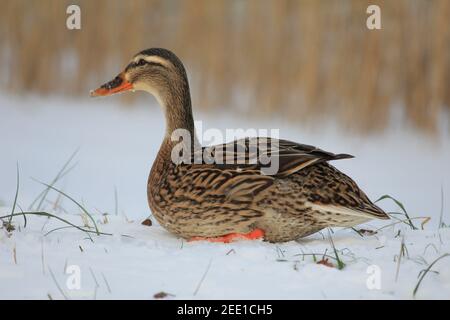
253 235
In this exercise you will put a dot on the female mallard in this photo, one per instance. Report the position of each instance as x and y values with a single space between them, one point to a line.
222 201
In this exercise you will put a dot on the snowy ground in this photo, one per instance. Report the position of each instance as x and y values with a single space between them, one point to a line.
117 146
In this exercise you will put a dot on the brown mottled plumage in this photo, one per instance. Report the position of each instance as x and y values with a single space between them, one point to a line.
198 199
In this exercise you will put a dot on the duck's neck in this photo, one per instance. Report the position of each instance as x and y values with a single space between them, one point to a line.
178 113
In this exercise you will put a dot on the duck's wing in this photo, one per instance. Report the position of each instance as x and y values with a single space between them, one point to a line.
274 157
234 174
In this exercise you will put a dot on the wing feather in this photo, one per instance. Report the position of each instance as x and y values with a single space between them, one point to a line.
262 153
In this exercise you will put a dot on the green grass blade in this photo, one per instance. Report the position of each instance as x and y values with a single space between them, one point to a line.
424 272
74 201
400 205
57 284
62 172
24 217
49 215
16 196
340 263
400 221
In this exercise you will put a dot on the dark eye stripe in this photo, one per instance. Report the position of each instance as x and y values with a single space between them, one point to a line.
143 62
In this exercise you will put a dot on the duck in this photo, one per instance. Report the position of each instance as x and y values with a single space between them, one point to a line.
235 196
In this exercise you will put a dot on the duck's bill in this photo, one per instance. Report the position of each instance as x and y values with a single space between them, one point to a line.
118 84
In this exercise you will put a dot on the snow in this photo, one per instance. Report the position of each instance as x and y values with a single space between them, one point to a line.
117 146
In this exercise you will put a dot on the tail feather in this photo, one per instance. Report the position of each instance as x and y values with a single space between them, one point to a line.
376 211
346 217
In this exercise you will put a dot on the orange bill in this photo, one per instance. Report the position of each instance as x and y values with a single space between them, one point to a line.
118 84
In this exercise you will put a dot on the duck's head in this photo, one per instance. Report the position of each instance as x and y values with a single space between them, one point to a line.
157 71
161 73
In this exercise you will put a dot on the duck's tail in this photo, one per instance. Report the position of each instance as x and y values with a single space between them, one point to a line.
335 215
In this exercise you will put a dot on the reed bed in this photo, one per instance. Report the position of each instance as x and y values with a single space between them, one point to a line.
301 59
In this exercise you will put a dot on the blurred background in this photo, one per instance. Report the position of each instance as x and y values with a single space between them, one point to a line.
297 59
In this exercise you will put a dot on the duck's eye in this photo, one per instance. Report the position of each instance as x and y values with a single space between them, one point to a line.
141 62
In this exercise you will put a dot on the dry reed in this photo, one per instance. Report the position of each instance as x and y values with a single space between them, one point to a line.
301 59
